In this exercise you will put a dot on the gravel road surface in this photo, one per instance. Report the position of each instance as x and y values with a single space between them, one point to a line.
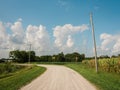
58 77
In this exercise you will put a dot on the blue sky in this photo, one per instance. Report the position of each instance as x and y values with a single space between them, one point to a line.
22 20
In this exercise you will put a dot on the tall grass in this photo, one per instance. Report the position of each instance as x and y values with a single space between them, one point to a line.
8 67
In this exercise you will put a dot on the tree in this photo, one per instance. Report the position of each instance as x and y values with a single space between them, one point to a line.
60 57
16 55
74 57
113 56
32 55
22 56
118 55
104 56
82 57
68 58
37 58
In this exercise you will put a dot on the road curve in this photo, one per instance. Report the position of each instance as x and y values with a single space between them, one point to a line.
59 77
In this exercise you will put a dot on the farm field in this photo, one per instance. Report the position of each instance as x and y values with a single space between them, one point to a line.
107 65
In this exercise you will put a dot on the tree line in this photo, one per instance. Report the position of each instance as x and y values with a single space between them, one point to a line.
23 56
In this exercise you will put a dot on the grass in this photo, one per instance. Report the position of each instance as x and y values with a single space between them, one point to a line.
103 80
20 78
54 63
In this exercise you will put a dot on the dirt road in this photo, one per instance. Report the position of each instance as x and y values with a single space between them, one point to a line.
59 78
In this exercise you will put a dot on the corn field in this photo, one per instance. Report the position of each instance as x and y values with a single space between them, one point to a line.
108 65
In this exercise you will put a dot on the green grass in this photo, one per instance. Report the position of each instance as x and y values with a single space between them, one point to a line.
54 63
20 78
103 80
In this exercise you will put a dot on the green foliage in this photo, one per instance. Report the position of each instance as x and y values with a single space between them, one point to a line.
104 56
8 67
22 77
73 57
103 80
22 56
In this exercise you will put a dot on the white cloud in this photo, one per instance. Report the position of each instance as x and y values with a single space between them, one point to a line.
3 40
3 35
2 31
38 36
107 39
8 24
64 4
70 42
20 19
17 37
116 47
13 35
17 28
110 43
64 34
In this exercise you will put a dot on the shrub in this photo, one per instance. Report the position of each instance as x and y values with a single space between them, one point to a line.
8 67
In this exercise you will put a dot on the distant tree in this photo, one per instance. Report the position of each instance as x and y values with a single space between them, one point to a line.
37 58
74 57
32 55
113 56
43 58
60 57
49 58
118 55
104 56
82 57
68 58
54 58
16 55
22 56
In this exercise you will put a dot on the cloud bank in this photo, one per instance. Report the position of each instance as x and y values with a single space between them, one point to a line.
63 35
110 43
15 36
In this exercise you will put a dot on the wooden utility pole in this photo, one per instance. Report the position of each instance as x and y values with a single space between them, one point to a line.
94 41
29 53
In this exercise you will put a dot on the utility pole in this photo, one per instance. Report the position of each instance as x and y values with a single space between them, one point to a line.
93 34
29 53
